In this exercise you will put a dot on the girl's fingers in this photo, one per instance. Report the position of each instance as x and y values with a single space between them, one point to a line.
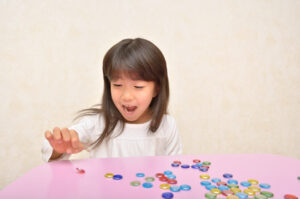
57 134
64 140
74 139
66 135
48 135
76 144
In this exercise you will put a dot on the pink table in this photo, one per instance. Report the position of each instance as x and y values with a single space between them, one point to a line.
61 180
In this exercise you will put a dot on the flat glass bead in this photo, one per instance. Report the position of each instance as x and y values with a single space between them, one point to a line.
185 166
254 188
167 172
206 163
227 193
252 181
215 191
199 164
147 185
195 166
175 188
165 186
249 192
232 197
298 177
140 175
172 181
210 195
117 177
163 179
290 196
175 165
227 175
242 195
176 161
245 184
264 186
221 183
232 181
235 190
233 185
203 169
204 176
109 175
167 195
216 180
268 194
135 183
81 171
185 187
158 175
171 176
260 197
149 179
223 187
196 161
205 183
209 187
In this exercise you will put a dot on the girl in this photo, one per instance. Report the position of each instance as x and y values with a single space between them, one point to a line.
132 119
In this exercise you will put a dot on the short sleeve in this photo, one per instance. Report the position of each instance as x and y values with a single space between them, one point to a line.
84 128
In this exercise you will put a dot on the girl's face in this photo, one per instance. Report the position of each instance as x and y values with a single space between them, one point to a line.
132 98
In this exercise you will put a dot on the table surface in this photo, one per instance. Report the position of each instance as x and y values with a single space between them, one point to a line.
60 179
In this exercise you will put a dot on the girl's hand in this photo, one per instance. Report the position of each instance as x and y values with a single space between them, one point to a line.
64 141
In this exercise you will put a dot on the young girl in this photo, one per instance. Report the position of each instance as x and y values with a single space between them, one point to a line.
132 119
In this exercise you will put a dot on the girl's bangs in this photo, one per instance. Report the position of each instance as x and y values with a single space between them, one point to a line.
117 73
132 72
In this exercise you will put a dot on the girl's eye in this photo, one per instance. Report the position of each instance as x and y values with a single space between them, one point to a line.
117 85
139 87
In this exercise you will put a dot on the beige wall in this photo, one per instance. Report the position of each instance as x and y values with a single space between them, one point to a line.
234 69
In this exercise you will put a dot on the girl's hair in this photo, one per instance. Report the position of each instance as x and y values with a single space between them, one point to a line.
139 59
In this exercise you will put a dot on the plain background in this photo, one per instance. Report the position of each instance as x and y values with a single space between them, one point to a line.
234 70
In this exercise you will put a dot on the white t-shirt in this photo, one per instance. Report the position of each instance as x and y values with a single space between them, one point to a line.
135 140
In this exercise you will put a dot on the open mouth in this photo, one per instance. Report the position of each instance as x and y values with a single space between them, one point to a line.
129 109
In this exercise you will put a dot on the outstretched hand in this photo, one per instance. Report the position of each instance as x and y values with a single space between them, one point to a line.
64 141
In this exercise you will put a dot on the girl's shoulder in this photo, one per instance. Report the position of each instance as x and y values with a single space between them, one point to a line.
92 120
168 117
168 120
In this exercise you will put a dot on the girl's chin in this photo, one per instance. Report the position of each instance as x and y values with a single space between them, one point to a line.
131 120
129 117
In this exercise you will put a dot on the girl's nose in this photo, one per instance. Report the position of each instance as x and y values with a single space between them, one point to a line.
127 95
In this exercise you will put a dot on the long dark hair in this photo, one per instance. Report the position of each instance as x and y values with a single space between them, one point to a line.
139 58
